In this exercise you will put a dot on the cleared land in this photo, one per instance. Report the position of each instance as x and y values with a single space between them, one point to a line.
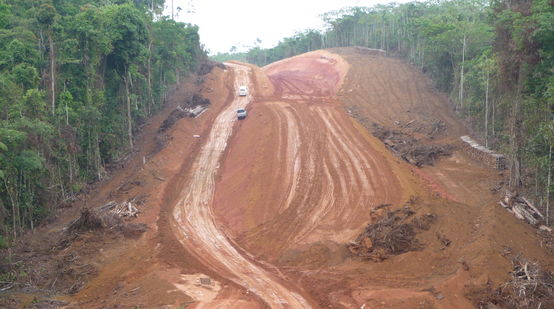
299 205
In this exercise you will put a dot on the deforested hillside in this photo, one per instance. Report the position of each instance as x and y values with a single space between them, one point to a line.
493 59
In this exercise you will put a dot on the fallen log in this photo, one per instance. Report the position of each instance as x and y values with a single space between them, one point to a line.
532 207
522 208
108 206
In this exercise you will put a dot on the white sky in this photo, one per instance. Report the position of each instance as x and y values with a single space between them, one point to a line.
227 23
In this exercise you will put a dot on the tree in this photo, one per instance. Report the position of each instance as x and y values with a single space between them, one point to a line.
129 37
46 17
66 67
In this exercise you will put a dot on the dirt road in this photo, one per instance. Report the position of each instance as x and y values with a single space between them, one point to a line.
201 234
259 213
325 177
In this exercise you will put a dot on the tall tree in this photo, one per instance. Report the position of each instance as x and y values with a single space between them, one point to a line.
127 29
46 17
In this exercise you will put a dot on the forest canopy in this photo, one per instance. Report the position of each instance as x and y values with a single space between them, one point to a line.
78 77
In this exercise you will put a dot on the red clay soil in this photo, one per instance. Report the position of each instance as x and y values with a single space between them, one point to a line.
258 213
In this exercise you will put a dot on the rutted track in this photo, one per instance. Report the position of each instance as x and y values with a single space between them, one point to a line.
271 206
199 232
312 176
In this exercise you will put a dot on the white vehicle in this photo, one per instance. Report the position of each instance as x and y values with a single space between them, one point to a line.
241 113
243 91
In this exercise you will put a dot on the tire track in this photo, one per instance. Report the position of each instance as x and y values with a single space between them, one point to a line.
196 225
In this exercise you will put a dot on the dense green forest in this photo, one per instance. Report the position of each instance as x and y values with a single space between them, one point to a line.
494 58
78 77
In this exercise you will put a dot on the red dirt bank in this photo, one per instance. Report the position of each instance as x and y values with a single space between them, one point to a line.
296 182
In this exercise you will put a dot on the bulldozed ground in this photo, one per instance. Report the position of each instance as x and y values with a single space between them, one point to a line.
343 188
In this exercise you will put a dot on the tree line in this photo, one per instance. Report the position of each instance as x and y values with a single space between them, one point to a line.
78 78
494 58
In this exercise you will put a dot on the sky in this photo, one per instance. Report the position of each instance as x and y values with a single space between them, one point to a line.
227 23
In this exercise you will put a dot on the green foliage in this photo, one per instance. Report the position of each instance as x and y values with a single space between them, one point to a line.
34 104
25 75
4 14
47 155
3 242
46 15
126 28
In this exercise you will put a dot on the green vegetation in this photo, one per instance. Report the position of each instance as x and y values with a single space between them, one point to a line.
78 77
495 59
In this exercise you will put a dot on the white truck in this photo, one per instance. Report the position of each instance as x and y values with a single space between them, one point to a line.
241 113
243 91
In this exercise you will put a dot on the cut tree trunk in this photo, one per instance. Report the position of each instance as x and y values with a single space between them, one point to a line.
129 120
52 73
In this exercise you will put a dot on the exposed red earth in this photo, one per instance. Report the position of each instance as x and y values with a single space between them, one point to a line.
258 213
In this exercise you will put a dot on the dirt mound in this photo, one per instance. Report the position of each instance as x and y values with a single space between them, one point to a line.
317 73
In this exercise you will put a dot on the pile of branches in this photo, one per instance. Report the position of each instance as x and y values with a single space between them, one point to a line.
196 100
393 234
89 220
430 127
207 66
529 287
123 209
191 107
420 155
106 216
409 148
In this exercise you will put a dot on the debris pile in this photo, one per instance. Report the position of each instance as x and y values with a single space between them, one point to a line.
123 209
196 111
483 154
195 101
546 238
89 220
109 215
175 115
392 234
408 147
429 127
426 154
370 51
207 66
192 107
522 208
529 287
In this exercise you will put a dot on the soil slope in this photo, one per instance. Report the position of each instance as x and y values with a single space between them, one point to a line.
261 213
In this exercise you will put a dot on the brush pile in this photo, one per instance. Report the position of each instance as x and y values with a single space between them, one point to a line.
529 287
123 209
109 215
394 233
193 106
410 148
